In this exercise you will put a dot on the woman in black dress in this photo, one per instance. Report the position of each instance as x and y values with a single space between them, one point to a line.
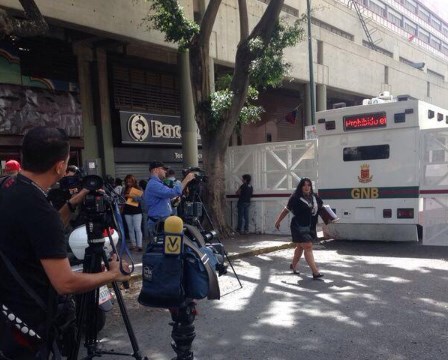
304 205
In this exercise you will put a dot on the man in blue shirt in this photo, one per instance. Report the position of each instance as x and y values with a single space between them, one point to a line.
158 195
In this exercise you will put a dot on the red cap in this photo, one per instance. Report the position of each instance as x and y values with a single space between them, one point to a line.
12 165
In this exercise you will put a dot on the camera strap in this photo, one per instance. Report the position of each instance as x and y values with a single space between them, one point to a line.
123 247
11 267
22 282
214 293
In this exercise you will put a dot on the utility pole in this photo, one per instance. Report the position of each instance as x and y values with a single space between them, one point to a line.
310 65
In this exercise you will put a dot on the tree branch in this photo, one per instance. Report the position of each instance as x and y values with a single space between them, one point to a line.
199 60
265 27
36 25
240 81
208 20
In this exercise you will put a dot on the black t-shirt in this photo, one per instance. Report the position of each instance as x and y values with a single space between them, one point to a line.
31 229
246 191
302 211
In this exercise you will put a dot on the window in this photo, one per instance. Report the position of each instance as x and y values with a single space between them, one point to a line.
386 74
377 48
362 153
394 17
445 30
423 35
435 75
410 27
406 61
410 5
445 48
377 7
332 29
145 90
435 23
434 42
423 14
320 52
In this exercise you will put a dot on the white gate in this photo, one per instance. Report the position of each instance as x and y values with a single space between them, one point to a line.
434 187
276 169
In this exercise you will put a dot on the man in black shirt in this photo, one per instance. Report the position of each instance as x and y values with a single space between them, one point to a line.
32 239
244 192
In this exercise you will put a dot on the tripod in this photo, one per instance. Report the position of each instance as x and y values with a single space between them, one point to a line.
88 302
183 332
195 220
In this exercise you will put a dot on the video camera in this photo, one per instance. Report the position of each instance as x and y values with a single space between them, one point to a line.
199 175
95 201
96 210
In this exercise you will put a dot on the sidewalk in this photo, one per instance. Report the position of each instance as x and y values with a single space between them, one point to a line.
240 246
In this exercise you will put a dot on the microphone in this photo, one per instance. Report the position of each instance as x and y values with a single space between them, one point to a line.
173 234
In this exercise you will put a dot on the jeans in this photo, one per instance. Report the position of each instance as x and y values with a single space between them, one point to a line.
243 214
135 229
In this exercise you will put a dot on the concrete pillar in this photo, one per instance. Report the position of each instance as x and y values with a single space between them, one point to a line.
188 122
84 58
105 145
321 97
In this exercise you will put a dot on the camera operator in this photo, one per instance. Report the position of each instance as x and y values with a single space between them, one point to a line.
58 195
34 247
158 195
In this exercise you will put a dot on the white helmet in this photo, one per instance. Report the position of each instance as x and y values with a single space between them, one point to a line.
78 241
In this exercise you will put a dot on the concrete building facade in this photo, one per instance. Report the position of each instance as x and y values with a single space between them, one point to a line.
114 73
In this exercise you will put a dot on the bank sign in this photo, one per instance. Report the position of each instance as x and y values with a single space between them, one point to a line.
146 128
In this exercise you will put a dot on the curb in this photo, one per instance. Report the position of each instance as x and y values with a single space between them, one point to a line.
265 250
136 276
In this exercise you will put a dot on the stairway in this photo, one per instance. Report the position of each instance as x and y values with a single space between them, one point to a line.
355 5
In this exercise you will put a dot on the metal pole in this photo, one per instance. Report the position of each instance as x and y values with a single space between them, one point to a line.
310 64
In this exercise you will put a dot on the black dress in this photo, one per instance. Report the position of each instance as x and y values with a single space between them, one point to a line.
303 223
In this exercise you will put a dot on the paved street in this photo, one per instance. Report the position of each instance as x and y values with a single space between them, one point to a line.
378 301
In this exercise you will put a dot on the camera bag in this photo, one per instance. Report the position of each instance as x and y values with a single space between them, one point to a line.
169 280
162 278
196 277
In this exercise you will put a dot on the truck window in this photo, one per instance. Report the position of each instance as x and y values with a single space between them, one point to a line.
361 153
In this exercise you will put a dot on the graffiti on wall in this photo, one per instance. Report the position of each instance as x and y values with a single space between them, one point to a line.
24 107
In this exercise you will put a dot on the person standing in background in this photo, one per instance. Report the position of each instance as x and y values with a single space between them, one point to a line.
132 211
118 186
170 181
12 167
158 196
142 183
244 193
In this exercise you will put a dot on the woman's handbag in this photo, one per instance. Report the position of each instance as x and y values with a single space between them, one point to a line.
327 215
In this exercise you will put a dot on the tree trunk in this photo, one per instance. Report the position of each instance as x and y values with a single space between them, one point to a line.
213 160
215 141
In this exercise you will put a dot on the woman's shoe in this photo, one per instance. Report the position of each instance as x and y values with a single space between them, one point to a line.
317 276
293 270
